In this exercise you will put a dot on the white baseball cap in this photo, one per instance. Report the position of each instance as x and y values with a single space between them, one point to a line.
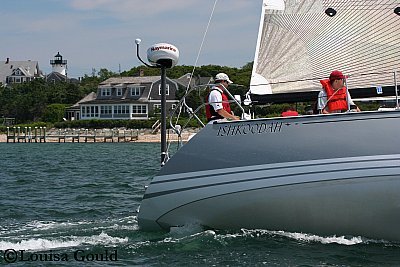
222 77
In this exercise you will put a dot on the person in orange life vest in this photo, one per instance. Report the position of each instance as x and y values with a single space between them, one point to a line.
218 107
289 111
333 99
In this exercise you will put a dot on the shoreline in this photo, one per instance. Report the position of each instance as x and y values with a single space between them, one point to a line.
143 137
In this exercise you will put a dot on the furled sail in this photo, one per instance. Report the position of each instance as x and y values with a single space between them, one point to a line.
303 41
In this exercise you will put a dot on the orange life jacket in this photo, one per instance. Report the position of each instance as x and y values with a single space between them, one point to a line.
337 100
289 113
211 114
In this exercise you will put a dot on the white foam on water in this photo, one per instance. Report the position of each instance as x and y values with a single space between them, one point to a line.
38 244
128 223
179 234
38 225
186 230
342 240
104 239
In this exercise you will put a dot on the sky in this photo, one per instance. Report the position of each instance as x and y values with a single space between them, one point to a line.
101 33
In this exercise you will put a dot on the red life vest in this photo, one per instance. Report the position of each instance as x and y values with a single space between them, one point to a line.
211 114
337 100
289 113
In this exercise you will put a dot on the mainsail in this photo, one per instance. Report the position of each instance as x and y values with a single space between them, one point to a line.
302 41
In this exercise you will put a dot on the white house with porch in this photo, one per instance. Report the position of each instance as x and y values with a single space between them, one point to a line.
128 98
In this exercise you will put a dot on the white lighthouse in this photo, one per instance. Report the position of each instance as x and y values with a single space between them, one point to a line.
59 65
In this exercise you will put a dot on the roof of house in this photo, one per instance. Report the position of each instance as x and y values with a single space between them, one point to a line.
196 80
6 68
121 81
133 80
56 76
89 97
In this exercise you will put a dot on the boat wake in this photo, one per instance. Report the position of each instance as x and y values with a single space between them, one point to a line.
193 231
48 235
42 244
341 240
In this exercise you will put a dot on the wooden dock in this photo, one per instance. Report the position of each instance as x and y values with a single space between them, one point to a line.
41 135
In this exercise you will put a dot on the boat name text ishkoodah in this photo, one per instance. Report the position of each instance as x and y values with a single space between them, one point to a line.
245 129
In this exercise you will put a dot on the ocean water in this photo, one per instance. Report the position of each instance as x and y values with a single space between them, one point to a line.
71 204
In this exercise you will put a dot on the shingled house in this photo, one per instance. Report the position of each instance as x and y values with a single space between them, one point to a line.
19 71
190 81
128 98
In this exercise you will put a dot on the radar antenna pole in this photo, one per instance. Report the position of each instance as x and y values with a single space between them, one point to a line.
164 153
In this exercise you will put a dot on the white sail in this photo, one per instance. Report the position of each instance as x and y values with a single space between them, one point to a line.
298 44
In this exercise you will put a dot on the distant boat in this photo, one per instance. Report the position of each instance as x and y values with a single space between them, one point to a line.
336 174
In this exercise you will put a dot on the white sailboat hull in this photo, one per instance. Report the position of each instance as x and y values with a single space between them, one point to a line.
329 175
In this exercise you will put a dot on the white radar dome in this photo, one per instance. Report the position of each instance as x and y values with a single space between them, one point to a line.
163 54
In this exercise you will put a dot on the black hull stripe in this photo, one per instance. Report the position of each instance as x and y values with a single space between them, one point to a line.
270 169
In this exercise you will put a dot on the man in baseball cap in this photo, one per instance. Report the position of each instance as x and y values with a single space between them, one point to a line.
222 77
335 98
218 106
336 75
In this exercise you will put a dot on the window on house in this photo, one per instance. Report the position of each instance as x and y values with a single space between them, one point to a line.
106 92
106 110
139 109
121 109
137 90
90 111
166 89
119 91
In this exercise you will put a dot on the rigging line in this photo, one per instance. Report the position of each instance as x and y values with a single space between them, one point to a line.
202 43
198 54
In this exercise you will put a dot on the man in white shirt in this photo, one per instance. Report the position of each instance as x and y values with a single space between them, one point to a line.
218 102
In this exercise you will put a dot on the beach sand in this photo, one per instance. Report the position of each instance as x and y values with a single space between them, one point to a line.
143 136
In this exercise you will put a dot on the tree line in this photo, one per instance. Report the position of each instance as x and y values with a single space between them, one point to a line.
46 101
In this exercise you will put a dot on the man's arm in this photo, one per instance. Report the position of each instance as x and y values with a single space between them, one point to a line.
322 105
353 104
227 115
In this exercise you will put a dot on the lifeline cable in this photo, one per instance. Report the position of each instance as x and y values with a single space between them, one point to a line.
198 55
194 68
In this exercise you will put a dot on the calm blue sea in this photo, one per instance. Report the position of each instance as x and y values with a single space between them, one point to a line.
72 204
